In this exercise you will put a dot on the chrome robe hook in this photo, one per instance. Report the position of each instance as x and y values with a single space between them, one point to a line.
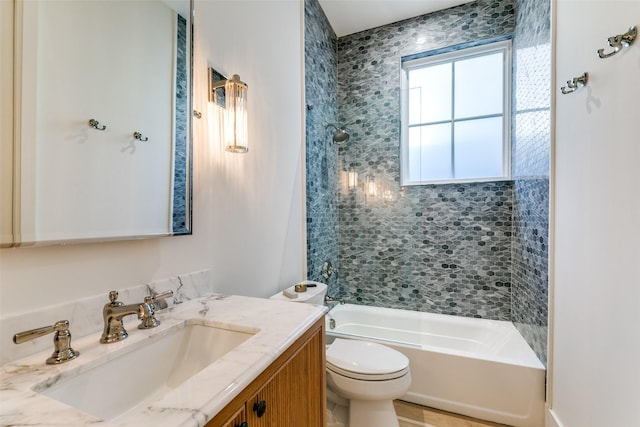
619 41
96 124
139 137
575 83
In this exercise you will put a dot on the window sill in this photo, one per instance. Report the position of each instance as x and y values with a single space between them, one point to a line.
457 181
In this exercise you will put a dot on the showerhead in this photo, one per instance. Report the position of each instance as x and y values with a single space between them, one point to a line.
339 135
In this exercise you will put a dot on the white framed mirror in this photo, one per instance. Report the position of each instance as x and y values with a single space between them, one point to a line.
102 121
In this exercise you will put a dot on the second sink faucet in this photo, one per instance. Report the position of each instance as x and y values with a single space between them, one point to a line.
114 311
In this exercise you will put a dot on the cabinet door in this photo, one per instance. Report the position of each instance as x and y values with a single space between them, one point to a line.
237 419
295 395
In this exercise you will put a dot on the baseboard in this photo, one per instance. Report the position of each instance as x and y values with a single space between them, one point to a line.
550 419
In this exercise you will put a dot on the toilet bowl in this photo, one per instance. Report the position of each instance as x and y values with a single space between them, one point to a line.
370 376
365 375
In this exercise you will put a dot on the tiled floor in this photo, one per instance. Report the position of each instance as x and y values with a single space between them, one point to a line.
411 415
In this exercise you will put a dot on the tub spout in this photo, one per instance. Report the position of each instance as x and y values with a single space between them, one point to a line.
331 300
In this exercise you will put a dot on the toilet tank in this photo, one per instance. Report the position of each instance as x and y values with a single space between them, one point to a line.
313 295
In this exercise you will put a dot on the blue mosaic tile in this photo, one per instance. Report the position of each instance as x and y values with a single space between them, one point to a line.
530 255
445 248
530 162
442 249
181 168
321 153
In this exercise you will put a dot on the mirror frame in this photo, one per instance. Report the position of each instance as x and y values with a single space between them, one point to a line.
190 114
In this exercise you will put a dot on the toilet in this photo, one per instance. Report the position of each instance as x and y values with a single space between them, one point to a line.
365 376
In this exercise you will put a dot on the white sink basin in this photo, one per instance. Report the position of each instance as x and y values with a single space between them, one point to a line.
145 374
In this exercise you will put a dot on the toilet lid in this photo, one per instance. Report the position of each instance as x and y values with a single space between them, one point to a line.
365 358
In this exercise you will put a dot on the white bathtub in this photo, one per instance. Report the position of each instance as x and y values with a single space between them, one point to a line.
476 367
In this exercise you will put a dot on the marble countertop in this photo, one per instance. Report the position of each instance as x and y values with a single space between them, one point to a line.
194 402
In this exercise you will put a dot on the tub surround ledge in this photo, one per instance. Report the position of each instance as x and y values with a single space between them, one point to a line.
276 324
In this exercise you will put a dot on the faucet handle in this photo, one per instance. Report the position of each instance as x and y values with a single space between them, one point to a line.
62 351
150 321
113 298
158 298
162 295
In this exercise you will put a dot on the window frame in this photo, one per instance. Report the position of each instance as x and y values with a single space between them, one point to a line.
435 58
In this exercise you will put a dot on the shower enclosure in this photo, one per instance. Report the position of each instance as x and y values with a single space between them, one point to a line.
472 250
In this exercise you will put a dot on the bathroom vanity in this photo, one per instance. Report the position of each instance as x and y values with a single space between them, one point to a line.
213 361
290 392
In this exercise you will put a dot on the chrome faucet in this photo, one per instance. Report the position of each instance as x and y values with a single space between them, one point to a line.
331 300
114 311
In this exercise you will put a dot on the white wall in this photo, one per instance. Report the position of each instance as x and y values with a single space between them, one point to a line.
258 208
248 210
595 347
6 121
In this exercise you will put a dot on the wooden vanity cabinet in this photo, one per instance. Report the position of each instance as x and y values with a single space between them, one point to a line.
236 419
291 392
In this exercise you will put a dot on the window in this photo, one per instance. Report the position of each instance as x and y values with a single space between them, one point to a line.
455 116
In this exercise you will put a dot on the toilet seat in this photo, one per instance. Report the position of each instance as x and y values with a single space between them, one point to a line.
366 377
365 360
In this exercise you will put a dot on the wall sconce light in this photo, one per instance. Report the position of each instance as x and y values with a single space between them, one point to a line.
231 94
352 179
387 194
370 187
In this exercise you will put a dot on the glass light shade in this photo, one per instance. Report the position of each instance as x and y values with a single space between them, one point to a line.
370 187
235 116
352 179
385 192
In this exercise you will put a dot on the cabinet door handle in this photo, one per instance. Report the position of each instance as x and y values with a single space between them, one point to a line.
244 424
260 408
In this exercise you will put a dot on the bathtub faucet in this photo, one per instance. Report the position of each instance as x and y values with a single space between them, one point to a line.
332 300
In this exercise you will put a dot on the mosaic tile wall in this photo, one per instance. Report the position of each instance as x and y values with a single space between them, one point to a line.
531 150
472 249
321 152
443 249
181 160
446 248
529 306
